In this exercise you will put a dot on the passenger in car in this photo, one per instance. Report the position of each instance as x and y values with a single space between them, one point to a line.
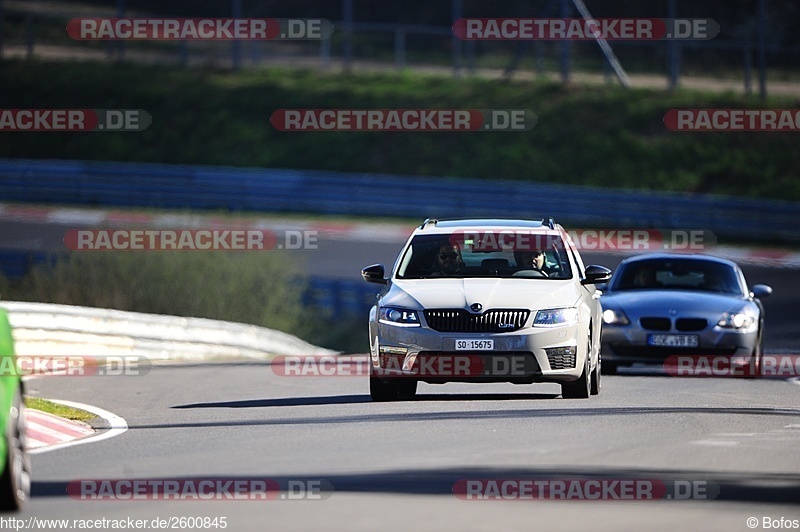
715 281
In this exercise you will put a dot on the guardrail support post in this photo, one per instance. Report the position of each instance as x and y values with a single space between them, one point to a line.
400 48
2 21
762 49
748 70
457 11
347 50
674 51
236 49
325 53
565 48
29 34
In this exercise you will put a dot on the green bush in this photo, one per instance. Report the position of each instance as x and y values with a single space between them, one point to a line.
586 135
263 289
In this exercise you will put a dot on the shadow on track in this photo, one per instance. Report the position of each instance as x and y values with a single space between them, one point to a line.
354 399
774 488
381 416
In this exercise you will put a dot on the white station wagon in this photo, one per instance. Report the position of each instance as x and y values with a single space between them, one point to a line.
486 301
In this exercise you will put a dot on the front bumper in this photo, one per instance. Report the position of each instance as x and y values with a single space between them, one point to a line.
531 354
626 345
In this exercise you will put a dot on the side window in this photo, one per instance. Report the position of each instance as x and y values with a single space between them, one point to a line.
406 260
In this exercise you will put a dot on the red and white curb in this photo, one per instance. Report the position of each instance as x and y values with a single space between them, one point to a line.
352 231
45 429
46 432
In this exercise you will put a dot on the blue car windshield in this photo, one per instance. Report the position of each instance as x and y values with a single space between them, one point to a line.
678 274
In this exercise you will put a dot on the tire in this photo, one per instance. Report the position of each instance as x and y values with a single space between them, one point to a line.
383 391
581 388
15 482
609 368
407 389
596 374
756 360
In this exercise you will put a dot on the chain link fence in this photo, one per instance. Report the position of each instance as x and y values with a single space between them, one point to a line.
747 56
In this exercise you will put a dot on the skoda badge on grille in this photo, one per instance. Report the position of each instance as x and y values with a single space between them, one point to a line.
476 307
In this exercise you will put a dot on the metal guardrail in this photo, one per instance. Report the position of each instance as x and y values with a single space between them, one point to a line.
281 190
65 330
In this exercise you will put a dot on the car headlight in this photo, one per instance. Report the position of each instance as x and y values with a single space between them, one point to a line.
399 316
736 320
555 317
615 317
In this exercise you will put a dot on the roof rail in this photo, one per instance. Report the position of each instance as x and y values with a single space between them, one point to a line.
549 222
427 221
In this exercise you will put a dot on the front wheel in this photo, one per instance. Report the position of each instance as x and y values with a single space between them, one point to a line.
581 388
596 374
383 391
609 368
756 360
15 483
407 389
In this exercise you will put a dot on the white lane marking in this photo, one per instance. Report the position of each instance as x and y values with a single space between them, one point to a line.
117 426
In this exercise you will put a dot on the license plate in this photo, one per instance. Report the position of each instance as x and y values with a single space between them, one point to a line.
474 345
673 340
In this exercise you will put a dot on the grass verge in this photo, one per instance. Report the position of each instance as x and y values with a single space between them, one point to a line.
588 135
56 409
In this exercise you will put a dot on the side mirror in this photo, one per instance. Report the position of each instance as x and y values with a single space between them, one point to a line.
596 274
374 274
761 290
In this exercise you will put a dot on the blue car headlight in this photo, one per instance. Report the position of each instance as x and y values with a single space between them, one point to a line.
615 317
736 320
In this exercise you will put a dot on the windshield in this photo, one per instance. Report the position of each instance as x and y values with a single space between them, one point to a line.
678 274
452 255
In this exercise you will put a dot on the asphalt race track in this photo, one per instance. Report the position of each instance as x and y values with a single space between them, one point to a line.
395 466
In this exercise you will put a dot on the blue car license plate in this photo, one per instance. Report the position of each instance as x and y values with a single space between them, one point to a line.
673 340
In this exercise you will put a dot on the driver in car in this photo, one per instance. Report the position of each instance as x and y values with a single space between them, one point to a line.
533 260
449 260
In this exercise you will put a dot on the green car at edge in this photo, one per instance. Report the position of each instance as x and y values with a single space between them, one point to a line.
15 480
